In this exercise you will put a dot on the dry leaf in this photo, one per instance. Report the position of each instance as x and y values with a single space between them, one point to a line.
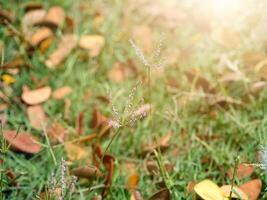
79 123
163 194
32 18
66 45
94 43
221 101
60 93
251 59
257 87
74 152
252 188
5 16
15 63
227 190
193 76
32 6
89 172
132 181
152 167
23 142
242 171
36 116
56 133
190 186
121 71
40 35
37 96
143 36
136 195
108 162
97 119
45 44
55 16
208 190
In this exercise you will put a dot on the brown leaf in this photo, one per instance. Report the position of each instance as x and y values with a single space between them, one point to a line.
252 188
190 187
74 152
222 101
97 119
23 142
32 18
226 189
108 162
143 36
37 96
94 43
15 63
79 123
89 172
61 92
5 15
45 44
121 71
40 35
152 167
193 76
136 195
36 116
66 45
32 6
163 194
55 16
242 171
56 133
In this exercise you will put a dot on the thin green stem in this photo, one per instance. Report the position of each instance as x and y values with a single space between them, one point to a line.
233 178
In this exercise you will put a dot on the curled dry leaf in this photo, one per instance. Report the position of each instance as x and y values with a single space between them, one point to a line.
32 18
60 93
22 142
152 167
97 119
40 35
94 43
55 16
252 188
226 189
79 123
56 133
15 63
66 45
37 96
89 172
74 152
36 116
108 162
32 6
242 171
208 190
163 194
5 15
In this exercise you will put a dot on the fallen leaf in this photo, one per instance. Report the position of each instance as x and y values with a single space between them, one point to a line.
61 92
122 71
37 96
79 123
208 190
132 181
7 79
32 18
226 189
152 167
66 45
97 119
56 133
74 152
15 63
22 142
143 36
5 16
94 43
136 195
32 6
88 172
242 171
257 87
36 116
45 44
55 16
193 76
190 187
108 162
163 194
40 35
223 101
252 188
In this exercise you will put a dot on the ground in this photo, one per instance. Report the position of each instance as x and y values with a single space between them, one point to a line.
205 91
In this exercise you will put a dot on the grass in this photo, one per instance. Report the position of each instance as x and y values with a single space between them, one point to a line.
241 129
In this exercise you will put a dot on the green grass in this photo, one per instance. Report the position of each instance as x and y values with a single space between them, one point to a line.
241 129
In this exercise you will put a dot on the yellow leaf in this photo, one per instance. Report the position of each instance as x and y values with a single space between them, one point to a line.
74 152
208 190
7 79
